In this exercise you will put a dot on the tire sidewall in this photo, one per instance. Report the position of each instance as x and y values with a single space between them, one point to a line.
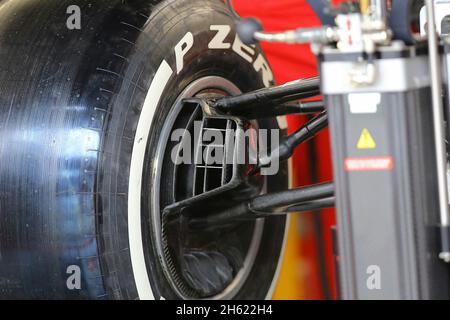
156 49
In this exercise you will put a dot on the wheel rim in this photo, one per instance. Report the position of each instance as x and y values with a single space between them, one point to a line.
183 255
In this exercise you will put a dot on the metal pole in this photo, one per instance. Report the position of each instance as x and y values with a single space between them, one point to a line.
379 10
438 119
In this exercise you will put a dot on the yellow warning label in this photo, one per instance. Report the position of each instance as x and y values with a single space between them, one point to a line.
366 140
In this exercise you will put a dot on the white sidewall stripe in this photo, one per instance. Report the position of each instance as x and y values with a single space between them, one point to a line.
137 254
152 100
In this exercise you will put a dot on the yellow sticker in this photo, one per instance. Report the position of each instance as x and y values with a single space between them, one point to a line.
366 140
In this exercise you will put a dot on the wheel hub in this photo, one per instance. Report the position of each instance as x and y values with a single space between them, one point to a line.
212 263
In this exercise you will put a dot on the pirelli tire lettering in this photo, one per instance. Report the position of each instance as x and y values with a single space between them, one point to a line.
219 35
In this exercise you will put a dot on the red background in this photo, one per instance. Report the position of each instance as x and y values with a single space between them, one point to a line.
308 270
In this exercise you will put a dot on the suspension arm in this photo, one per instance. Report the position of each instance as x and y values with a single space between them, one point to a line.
286 148
283 109
295 200
267 102
298 89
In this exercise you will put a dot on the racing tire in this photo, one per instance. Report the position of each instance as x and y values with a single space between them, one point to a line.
86 88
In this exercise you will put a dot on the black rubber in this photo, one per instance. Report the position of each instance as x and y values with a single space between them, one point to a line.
247 28
404 16
70 101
